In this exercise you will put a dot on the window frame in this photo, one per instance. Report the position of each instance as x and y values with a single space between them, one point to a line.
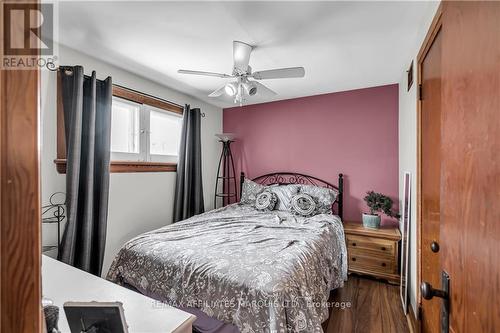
119 166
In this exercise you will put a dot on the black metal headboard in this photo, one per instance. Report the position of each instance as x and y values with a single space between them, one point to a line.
283 178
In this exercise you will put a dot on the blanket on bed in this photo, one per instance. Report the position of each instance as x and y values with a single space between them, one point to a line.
262 271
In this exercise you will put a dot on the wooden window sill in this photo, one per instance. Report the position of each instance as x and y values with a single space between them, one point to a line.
127 166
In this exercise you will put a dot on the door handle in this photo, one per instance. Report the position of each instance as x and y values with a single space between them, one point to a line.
428 292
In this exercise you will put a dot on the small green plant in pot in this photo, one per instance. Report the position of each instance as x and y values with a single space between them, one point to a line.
378 203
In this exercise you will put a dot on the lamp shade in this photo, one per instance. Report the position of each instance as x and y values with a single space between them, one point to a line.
226 136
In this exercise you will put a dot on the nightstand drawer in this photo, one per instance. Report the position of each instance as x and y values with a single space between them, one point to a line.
359 261
371 246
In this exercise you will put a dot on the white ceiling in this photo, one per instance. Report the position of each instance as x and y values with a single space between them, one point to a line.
342 45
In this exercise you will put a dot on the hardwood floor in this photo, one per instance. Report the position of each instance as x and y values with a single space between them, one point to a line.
370 306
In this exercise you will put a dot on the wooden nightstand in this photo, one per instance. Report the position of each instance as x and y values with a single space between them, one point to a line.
373 251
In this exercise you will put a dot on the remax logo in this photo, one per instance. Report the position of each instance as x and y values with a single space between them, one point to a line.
28 29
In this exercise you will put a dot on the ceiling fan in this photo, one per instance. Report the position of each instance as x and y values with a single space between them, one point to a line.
242 72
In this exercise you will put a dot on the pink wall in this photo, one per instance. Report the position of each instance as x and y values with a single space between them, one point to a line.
352 132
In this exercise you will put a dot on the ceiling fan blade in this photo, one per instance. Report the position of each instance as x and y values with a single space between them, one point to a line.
186 71
263 91
241 56
280 73
218 92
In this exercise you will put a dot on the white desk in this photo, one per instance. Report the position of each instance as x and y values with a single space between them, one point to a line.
62 283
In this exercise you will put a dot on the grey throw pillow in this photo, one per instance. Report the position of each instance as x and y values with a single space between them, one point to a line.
303 204
325 197
249 191
284 194
266 200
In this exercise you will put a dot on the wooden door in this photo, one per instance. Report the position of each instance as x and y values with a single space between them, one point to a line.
470 163
20 260
430 163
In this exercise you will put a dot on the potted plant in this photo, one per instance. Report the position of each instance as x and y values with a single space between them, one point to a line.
378 203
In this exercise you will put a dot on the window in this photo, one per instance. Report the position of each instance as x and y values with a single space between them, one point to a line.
164 133
125 127
140 132
145 133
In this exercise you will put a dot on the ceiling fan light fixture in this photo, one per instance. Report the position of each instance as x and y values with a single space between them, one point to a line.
250 88
230 89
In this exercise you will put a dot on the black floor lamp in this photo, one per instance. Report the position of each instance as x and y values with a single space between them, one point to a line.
225 184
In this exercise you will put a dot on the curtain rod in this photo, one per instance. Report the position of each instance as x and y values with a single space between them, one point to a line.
152 96
55 69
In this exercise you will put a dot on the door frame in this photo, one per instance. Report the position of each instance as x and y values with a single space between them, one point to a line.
434 28
20 224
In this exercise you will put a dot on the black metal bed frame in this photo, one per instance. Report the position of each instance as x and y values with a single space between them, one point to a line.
283 178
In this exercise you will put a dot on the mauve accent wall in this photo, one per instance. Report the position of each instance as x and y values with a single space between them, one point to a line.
353 132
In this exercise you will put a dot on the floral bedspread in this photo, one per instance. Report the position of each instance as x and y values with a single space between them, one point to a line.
261 271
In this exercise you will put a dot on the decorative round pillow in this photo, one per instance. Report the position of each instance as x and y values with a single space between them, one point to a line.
303 204
266 200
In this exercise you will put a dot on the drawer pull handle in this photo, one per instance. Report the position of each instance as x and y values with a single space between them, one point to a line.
353 244
383 264
383 248
353 259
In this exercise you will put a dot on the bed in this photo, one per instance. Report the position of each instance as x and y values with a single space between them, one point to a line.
262 271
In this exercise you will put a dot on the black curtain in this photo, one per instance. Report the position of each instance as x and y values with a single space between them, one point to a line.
189 188
87 118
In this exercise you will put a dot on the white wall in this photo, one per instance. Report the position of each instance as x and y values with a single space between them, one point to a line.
138 202
408 142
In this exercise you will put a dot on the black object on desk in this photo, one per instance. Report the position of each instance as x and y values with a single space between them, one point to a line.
51 314
95 317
